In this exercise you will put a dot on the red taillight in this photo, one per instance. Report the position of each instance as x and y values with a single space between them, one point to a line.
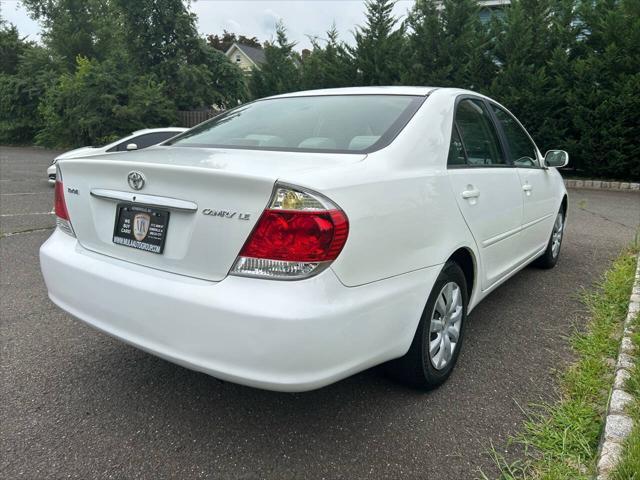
63 221
60 207
298 236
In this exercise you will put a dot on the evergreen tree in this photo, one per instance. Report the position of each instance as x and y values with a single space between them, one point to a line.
378 45
533 74
280 73
223 42
605 94
447 45
328 67
11 47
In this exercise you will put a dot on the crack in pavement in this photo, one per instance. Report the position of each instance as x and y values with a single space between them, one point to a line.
599 215
21 232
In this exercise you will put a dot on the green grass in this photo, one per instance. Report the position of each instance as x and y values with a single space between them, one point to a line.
560 439
629 467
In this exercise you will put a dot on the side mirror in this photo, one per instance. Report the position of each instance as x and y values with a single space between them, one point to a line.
131 146
556 159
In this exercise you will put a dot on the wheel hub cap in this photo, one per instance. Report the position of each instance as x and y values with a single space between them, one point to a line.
446 320
556 235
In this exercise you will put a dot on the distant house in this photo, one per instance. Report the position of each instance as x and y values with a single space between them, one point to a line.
246 57
488 8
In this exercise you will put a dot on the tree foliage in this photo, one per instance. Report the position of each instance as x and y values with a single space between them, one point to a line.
223 42
27 70
102 101
569 69
145 56
447 45
378 44
280 73
330 66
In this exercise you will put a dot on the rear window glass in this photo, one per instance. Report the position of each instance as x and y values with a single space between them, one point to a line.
335 123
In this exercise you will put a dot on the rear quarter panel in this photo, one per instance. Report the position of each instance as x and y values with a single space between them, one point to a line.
401 209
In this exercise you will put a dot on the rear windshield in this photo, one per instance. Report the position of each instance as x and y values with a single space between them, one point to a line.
334 124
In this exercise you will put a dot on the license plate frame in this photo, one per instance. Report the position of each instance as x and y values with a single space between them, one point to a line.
141 227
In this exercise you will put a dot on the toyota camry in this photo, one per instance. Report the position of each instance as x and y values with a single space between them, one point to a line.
295 240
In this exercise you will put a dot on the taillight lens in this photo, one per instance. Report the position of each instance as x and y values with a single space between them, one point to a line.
63 221
60 207
297 236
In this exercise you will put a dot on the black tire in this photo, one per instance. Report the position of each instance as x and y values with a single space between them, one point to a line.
549 259
415 368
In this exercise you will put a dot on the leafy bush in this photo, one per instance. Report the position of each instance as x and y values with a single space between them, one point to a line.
99 101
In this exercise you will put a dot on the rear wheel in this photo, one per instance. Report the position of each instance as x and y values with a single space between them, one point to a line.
436 344
550 256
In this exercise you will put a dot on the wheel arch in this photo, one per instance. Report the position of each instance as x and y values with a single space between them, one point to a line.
466 260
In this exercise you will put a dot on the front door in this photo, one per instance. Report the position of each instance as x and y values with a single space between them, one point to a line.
537 183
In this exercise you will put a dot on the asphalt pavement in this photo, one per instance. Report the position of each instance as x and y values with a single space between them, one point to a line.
75 403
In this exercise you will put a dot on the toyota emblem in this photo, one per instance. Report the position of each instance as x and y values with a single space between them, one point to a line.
136 180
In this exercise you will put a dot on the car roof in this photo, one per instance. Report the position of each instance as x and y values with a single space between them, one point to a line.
390 90
155 130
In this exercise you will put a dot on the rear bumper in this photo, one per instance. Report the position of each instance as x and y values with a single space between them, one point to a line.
288 336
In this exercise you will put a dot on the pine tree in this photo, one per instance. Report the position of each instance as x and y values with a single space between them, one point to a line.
605 94
280 73
531 52
329 66
447 45
378 45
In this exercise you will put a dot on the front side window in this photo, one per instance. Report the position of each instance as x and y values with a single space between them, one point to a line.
523 151
327 123
474 136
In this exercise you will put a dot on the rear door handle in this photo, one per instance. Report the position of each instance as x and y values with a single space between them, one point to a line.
527 188
471 193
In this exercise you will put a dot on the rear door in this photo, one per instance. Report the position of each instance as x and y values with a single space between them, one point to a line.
537 183
487 189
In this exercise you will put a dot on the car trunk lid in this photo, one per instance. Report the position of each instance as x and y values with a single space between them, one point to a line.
213 198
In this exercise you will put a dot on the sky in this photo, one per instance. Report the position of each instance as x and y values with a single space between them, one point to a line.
252 17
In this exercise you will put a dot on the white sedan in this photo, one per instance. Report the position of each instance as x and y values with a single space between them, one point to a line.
298 239
136 141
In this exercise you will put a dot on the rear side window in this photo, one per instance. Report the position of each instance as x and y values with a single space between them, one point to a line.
456 151
475 136
523 151
326 123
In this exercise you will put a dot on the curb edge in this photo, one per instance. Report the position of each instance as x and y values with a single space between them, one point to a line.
618 424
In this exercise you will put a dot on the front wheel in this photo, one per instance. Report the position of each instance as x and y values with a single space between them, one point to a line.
550 256
436 344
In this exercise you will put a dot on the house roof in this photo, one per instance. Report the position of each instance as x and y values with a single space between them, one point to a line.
255 54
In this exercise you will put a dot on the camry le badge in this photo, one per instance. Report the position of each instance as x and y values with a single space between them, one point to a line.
141 224
225 214
136 180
